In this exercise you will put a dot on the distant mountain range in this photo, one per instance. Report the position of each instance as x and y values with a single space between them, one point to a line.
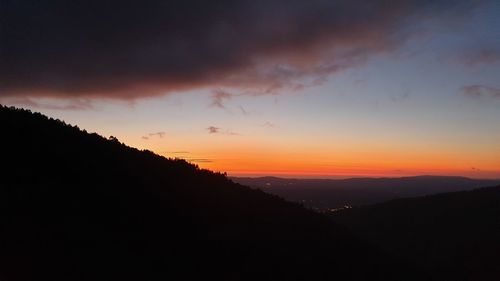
326 194
454 236
77 206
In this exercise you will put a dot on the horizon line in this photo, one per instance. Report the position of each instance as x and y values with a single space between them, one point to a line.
346 177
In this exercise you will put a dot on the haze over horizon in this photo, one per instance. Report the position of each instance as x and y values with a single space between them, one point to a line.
310 89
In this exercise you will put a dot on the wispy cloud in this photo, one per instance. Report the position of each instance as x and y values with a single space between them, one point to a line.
268 124
480 57
480 91
213 130
398 98
218 98
217 130
74 104
200 160
151 135
243 110
157 134
177 152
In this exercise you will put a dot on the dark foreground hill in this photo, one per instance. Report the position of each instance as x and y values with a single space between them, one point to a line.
455 236
77 206
324 194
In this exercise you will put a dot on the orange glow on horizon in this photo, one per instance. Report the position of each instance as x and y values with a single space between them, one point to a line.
345 173
303 158
315 166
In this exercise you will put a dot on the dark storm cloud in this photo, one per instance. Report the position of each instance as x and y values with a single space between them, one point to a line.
132 49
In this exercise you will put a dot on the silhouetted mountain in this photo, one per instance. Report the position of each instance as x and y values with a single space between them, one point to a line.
454 236
77 206
325 194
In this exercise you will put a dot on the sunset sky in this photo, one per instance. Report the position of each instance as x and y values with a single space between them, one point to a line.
286 88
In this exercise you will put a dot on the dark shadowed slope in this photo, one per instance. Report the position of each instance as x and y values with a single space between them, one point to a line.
324 194
455 236
76 206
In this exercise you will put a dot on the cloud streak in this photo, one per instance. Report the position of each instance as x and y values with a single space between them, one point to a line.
157 134
217 130
480 57
75 104
213 130
268 124
151 135
481 91
132 49
200 160
218 98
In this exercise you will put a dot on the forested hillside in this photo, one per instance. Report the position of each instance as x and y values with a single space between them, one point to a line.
77 206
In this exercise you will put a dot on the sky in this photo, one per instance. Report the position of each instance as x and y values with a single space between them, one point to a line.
320 89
